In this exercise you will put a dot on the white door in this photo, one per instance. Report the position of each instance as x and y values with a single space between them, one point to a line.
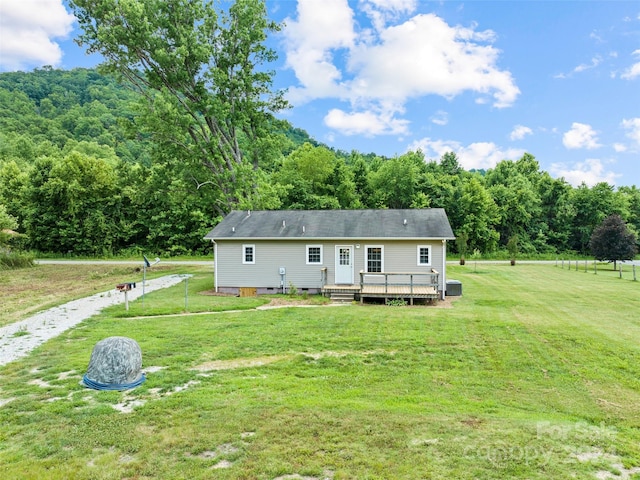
344 264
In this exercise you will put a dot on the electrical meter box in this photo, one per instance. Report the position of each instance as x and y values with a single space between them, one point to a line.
282 271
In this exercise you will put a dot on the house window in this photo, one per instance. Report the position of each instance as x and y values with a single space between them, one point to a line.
314 254
249 254
374 259
424 255
345 256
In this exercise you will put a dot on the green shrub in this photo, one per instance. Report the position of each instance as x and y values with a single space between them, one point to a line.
396 302
11 260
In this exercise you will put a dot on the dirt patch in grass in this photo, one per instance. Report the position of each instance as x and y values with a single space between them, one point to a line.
615 465
238 363
325 354
275 302
284 301
446 303
213 293
473 422
327 475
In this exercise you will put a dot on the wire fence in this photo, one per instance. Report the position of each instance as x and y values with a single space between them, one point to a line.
621 269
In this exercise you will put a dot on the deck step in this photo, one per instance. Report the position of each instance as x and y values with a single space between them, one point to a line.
342 297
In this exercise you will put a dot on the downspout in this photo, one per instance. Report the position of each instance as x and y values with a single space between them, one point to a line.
444 268
215 267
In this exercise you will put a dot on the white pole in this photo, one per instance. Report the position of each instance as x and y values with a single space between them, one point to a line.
444 270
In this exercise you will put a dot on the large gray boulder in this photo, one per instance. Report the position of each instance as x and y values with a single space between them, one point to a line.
115 364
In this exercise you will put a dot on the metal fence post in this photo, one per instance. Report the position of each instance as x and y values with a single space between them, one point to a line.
186 294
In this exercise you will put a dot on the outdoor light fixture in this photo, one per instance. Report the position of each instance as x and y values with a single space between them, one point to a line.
149 264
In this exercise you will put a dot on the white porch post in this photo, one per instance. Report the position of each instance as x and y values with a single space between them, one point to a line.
444 268
215 267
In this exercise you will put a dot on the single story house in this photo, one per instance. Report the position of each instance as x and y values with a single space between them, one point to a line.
333 251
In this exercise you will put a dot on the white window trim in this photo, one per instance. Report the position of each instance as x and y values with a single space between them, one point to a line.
428 247
366 257
307 255
244 254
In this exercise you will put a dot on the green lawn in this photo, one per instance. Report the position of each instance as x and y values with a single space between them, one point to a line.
26 291
534 373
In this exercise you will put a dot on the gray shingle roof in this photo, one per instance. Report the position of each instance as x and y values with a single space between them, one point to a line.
430 223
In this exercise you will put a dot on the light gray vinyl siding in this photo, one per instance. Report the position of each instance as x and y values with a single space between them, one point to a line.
269 257
401 257
398 256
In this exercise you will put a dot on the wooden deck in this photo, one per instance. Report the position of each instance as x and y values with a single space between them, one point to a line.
390 285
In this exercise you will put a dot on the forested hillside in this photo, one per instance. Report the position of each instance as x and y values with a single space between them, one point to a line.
79 176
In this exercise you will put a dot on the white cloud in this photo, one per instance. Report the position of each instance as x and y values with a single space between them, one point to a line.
440 118
634 70
425 56
619 147
321 29
29 28
366 123
595 61
596 36
394 5
591 171
382 11
632 125
519 132
378 70
580 136
479 155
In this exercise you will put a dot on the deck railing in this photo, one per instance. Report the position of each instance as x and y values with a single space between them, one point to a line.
400 279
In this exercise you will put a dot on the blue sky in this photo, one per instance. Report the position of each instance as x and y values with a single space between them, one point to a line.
487 80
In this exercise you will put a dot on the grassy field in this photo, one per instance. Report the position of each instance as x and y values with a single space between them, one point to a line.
26 291
534 373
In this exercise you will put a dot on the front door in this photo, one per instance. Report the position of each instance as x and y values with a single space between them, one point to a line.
344 264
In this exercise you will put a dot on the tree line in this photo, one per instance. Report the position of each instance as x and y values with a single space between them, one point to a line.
108 191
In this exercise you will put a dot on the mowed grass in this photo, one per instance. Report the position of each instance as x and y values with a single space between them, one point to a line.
26 291
533 373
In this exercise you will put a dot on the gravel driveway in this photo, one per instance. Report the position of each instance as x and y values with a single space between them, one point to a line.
50 323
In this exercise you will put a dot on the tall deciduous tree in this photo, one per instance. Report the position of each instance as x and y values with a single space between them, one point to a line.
478 216
395 181
613 241
592 206
511 185
202 72
71 205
